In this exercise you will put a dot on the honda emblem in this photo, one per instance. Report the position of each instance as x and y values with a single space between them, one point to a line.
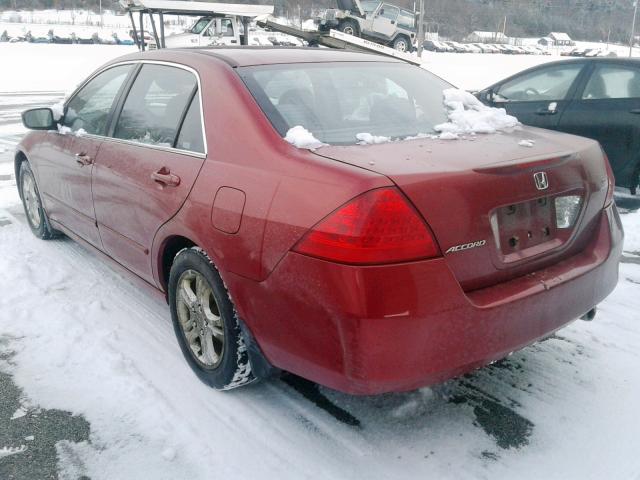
542 182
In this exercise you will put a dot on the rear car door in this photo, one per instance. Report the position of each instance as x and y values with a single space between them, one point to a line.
146 169
607 108
66 158
539 97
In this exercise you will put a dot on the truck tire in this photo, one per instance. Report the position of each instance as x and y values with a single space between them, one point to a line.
401 43
349 27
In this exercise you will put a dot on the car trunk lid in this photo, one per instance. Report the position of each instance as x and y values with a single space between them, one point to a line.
491 218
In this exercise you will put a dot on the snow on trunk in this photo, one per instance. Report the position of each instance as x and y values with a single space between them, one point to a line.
468 115
300 137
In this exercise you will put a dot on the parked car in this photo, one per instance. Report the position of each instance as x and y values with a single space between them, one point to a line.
373 20
472 48
433 46
487 48
366 268
598 98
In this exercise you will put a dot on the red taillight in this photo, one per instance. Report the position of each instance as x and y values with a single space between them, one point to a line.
379 226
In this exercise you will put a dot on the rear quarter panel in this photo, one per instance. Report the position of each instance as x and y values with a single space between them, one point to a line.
287 189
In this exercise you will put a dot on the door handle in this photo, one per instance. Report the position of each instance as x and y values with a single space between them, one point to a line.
83 159
165 177
551 109
545 111
635 111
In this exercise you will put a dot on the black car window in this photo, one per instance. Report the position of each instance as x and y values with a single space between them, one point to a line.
546 84
190 137
613 81
89 109
155 105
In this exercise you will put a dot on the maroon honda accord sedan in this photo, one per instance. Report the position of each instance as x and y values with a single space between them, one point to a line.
365 268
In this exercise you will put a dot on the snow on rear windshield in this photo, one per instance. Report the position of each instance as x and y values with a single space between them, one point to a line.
337 101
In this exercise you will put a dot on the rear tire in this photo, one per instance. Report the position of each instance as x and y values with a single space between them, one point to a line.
401 43
349 27
36 216
205 322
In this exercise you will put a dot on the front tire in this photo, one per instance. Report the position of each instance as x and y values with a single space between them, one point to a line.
205 322
401 44
349 27
32 203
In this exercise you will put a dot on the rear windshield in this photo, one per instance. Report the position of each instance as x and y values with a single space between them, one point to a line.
337 101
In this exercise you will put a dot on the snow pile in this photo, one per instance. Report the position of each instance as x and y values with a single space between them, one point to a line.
527 143
448 136
58 110
300 137
467 114
368 139
63 130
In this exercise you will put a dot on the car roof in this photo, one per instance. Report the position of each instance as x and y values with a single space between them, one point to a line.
244 56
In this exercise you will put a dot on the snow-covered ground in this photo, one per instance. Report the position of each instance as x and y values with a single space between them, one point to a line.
80 336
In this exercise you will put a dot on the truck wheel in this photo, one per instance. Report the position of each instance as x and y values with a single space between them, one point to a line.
401 44
349 27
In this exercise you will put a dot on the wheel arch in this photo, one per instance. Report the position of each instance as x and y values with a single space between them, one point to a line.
167 253
19 157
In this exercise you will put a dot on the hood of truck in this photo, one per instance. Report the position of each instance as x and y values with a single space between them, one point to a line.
181 40
352 6
480 198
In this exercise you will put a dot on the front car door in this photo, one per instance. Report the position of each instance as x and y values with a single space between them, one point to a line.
538 97
146 169
67 156
384 22
607 108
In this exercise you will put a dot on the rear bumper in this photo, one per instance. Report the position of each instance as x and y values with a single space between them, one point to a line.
369 330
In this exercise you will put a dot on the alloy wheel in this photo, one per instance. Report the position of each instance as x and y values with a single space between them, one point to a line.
200 319
30 197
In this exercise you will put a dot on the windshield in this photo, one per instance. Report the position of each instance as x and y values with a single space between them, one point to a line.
200 25
337 101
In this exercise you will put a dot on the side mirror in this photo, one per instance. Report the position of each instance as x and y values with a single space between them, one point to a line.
39 119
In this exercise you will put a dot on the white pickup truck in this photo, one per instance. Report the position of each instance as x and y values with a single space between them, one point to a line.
218 30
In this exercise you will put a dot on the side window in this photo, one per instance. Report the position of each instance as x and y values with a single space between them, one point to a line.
613 81
389 11
226 27
155 105
548 84
190 137
89 109
200 25
406 19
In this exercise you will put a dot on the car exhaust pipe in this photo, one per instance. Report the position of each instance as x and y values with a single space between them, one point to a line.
590 315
